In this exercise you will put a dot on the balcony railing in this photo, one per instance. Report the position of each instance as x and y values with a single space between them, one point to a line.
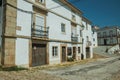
104 36
74 39
88 43
42 32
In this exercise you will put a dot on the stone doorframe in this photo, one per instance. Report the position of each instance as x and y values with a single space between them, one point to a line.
63 45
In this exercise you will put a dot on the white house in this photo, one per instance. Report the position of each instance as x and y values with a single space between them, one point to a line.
40 32
94 35
108 36
87 38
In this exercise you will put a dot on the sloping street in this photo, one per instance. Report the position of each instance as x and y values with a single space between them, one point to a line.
102 69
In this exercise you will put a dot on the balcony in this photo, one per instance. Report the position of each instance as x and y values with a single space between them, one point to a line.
88 43
74 37
42 32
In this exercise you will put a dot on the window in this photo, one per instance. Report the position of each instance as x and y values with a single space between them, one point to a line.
42 1
63 28
93 39
80 33
54 51
39 22
73 17
78 49
87 38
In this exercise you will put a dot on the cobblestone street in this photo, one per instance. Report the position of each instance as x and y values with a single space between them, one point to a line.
100 69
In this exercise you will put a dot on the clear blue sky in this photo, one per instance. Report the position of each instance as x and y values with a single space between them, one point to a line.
100 12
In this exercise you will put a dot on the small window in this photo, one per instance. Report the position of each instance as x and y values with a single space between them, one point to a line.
54 51
87 38
63 28
73 17
80 33
93 39
42 1
78 49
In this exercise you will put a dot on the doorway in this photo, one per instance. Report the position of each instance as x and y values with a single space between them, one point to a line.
105 41
87 52
38 54
64 57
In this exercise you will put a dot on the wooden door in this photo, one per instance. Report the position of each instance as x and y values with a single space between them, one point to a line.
74 52
64 54
87 52
38 54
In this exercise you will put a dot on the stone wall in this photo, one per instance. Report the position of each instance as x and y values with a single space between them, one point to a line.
10 13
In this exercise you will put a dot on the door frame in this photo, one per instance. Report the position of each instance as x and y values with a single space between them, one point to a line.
63 45
75 52
86 52
30 50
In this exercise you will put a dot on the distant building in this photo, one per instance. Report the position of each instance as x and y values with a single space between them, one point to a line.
108 36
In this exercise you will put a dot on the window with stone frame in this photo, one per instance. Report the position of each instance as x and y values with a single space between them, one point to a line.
87 38
54 51
80 33
63 28
41 1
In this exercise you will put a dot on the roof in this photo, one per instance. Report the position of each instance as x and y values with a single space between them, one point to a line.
108 27
71 6
86 20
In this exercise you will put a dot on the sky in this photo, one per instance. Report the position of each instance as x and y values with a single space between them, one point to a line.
100 12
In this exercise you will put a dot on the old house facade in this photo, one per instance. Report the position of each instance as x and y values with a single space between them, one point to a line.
87 38
108 36
35 32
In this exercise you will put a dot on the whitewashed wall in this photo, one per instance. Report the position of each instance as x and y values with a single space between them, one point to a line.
22 52
64 10
95 41
22 45
54 23
87 32
54 60
24 19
